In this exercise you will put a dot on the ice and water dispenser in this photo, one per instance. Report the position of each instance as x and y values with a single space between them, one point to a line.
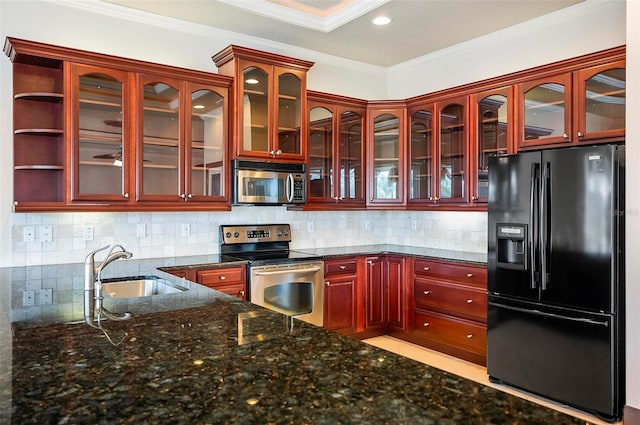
511 247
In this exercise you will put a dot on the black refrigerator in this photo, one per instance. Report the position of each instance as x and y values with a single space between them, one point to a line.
555 324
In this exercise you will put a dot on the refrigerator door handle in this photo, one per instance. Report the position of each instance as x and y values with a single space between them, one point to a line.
533 223
551 315
544 224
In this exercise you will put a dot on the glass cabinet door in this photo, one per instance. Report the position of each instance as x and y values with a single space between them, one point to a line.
350 156
100 154
161 129
452 184
289 114
385 153
602 101
207 131
493 136
255 110
421 155
546 111
321 153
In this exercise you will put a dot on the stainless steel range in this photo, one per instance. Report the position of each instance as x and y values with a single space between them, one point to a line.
280 279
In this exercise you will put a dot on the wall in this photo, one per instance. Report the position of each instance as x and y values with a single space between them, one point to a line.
633 213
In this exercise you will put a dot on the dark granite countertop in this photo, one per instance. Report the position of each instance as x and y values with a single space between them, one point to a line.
202 357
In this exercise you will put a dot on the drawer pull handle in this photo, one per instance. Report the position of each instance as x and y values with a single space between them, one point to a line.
469 336
342 267
425 324
469 301
223 277
426 292
469 274
426 269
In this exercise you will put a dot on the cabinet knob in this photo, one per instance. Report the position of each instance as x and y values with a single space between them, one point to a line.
190 195
426 292
469 336
342 267
425 324
474 198
183 196
370 262
327 283
565 136
469 301
469 274
426 269
126 195
580 134
223 277
241 293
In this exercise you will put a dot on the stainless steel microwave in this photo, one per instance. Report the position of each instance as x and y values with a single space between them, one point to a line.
268 183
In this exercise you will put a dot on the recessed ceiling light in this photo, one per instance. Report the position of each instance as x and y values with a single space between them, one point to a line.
381 20
251 81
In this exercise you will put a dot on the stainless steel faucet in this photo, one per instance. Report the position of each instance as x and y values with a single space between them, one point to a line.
93 284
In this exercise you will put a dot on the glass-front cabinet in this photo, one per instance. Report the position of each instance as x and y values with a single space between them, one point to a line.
438 152
335 152
182 140
100 121
270 103
601 94
491 134
385 154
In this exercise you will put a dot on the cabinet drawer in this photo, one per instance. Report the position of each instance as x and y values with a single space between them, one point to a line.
340 266
220 276
470 274
458 300
459 333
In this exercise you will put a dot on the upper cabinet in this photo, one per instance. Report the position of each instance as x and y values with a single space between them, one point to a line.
335 164
270 103
582 105
438 155
113 133
491 133
386 153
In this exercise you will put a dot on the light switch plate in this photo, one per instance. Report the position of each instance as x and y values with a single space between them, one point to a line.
186 229
46 296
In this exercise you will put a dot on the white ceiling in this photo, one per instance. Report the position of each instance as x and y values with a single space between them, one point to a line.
343 27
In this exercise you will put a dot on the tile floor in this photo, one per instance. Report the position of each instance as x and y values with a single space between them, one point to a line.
468 370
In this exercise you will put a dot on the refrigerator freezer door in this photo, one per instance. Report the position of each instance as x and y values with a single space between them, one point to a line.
569 358
579 228
513 202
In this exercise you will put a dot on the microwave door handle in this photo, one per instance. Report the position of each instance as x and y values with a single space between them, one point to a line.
289 187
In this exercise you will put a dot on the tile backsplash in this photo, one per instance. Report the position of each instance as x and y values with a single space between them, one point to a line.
169 234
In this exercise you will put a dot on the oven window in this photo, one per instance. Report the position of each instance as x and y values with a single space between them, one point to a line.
292 298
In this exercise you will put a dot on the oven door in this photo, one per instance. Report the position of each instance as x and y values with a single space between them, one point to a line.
294 289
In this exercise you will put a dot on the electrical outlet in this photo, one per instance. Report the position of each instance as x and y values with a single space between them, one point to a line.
186 229
311 227
28 298
28 234
46 233
46 296
141 230
414 224
88 233
367 225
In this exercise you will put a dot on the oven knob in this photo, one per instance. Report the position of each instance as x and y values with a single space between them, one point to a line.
236 234
279 233
286 233
227 235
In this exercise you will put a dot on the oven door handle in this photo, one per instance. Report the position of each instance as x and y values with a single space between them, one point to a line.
283 271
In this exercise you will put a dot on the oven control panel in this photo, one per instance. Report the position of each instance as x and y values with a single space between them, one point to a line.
255 233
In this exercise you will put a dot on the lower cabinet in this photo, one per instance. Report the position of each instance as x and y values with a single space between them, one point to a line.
340 283
450 308
230 280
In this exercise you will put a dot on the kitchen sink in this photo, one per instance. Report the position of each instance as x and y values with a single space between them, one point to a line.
139 286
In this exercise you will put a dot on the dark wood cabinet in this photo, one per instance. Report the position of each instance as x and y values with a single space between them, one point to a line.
96 132
341 281
336 153
230 280
385 298
438 152
374 284
386 150
270 103
396 298
450 308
